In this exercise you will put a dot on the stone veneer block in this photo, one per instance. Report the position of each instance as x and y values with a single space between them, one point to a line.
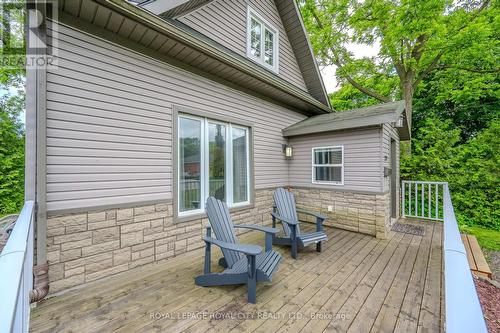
84 247
88 246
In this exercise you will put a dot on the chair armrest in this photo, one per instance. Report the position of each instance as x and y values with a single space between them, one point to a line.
267 230
317 215
247 249
287 221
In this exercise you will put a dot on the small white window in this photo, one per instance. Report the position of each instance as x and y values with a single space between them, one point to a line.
262 41
328 165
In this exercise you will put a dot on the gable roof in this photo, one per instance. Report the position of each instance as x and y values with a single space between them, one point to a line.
363 117
292 22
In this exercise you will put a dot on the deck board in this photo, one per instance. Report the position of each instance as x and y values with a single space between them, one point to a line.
358 283
410 309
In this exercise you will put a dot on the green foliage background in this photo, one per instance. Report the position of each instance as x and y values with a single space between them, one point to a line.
12 135
11 153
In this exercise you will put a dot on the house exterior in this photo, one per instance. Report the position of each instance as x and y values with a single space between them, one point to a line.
153 107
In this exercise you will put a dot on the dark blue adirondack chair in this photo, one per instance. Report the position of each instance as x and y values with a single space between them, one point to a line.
245 264
286 211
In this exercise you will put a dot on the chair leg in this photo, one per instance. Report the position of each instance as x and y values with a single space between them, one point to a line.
269 242
318 247
293 236
252 280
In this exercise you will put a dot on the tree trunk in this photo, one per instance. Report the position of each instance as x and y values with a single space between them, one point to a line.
408 97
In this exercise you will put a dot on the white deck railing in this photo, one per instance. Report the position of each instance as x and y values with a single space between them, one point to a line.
421 199
16 274
463 310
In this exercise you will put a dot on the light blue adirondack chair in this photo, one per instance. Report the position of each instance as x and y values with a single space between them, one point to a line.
286 212
245 264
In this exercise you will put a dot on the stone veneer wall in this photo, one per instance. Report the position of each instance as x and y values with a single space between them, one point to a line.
364 213
84 247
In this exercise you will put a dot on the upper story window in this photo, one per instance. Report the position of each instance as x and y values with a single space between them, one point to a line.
262 41
328 165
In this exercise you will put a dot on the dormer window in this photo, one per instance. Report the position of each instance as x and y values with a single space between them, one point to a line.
262 41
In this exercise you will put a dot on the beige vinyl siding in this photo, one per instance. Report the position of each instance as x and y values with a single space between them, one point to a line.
225 21
362 162
109 124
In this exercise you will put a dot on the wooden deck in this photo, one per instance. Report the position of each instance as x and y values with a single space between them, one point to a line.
358 284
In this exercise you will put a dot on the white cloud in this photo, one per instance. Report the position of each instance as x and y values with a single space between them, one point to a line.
359 51
328 74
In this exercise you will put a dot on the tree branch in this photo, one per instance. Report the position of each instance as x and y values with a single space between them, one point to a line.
340 68
360 87
428 69
432 65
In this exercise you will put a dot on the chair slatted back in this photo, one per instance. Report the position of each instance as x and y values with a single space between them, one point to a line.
285 205
222 225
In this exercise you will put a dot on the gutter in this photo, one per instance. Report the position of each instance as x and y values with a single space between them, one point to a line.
140 15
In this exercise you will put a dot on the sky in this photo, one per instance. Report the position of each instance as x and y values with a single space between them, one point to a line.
359 51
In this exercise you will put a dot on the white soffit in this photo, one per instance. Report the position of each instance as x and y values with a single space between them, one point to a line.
161 6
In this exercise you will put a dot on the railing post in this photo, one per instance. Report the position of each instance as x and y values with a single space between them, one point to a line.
416 199
429 200
436 188
409 198
422 212
403 203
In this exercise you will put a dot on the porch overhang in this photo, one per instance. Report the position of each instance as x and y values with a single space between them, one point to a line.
392 113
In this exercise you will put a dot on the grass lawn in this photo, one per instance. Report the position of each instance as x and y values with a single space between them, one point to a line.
487 238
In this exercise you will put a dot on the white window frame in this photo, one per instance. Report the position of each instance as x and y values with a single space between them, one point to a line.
276 38
204 160
229 164
313 173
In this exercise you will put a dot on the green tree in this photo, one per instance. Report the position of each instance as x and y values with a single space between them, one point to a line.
433 151
475 180
472 169
11 154
416 38
12 105
467 110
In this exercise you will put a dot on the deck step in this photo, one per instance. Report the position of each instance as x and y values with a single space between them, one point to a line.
475 256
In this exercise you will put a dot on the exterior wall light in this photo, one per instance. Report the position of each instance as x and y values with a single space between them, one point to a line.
288 151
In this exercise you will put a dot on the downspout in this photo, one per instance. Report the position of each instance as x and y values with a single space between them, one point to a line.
41 286
35 168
